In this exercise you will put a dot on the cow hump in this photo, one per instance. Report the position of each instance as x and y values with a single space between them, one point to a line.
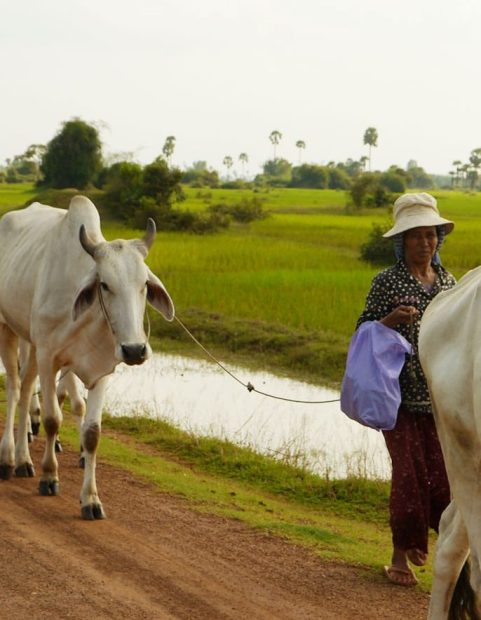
83 211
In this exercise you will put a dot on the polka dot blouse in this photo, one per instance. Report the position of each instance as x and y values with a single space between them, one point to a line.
394 287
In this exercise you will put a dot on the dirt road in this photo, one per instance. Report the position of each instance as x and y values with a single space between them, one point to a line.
156 558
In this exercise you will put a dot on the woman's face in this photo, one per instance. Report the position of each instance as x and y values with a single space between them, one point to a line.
420 245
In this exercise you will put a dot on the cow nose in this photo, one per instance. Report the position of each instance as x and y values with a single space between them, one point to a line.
134 353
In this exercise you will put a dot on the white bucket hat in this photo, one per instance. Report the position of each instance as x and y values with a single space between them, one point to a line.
413 210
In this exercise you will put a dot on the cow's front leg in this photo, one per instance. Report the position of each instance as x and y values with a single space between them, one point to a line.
28 373
91 506
451 551
52 419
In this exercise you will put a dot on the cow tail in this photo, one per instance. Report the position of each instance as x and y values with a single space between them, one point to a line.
463 603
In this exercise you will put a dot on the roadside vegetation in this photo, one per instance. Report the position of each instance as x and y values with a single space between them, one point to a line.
288 287
283 291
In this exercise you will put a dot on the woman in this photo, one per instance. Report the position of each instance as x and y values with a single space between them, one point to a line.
398 298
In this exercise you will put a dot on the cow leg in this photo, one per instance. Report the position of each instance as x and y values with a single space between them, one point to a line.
28 373
24 349
9 355
451 552
35 411
70 385
91 507
52 419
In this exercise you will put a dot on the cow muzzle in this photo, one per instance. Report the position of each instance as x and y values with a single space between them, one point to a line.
133 354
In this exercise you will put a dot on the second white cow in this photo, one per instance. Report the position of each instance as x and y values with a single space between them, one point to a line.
450 354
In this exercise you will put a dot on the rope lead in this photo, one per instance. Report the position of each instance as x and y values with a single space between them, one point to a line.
250 387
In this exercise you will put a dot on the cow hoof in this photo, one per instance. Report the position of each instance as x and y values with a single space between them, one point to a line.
25 470
81 462
6 471
92 512
35 428
48 487
58 446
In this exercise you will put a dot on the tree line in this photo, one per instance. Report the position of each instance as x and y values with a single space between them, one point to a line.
74 158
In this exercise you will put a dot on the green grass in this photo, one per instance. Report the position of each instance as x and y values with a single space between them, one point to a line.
287 289
344 521
15 195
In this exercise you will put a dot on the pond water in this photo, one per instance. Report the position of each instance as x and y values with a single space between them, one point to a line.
200 397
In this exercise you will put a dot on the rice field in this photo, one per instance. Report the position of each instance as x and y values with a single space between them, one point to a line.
299 268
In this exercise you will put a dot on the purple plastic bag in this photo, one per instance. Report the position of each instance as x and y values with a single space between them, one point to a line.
370 392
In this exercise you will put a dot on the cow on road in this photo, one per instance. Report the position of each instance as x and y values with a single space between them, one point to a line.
80 301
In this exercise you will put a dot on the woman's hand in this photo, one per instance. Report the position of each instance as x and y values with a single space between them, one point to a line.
401 314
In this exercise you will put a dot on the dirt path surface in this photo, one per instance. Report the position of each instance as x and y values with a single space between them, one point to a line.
156 558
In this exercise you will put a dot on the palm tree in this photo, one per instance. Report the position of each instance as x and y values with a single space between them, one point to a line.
475 159
370 138
228 163
275 137
457 167
243 158
300 144
363 161
168 148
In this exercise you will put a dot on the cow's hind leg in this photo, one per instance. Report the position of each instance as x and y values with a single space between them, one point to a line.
91 506
23 462
451 552
9 355
70 385
52 419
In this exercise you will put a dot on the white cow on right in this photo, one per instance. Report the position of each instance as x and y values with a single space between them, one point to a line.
450 354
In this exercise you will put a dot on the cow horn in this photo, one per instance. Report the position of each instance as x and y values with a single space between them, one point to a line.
85 242
150 233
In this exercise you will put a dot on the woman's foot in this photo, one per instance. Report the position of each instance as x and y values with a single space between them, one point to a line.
400 572
400 576
417 557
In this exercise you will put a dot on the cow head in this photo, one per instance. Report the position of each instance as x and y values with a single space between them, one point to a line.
123 283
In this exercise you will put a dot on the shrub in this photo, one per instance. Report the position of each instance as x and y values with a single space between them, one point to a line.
378 250
247 210
311 176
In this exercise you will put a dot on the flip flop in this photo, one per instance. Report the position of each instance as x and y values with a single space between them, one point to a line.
400 576
417 557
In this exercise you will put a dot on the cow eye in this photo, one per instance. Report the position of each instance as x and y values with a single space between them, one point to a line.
104 287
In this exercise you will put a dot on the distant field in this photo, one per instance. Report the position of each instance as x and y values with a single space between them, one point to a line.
297 272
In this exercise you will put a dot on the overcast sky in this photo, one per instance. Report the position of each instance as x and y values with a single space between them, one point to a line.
220 75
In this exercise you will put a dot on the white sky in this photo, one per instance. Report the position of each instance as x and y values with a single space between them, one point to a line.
220 75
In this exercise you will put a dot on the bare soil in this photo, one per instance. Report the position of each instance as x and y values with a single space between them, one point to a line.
155 557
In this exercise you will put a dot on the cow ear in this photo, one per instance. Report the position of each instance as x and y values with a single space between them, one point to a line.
84 298
159 298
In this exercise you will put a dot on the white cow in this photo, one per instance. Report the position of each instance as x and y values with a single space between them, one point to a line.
80 301
450 354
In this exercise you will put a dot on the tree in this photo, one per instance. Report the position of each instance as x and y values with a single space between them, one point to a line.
475 160
168 148
275 137
228 163
310 175
243 158
161 183
277 172
363 161
457 172
198 175
73 158
301 145
370 138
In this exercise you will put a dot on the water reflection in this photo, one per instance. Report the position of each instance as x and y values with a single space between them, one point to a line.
199 397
